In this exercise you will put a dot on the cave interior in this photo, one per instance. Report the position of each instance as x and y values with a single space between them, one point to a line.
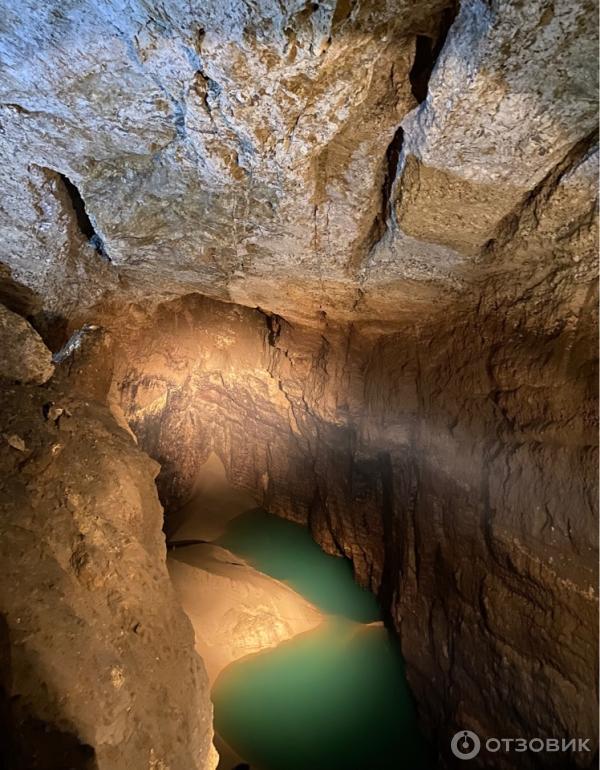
298 384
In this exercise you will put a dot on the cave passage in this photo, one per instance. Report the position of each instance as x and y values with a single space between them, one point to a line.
330 699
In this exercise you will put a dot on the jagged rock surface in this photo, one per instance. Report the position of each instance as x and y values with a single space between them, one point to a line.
281 154
407 191
98 668
23 355
453 462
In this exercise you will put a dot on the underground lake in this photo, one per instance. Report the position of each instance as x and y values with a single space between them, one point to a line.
331 698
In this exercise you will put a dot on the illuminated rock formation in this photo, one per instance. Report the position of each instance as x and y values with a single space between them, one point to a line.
458 477
235 610
351 248
95 647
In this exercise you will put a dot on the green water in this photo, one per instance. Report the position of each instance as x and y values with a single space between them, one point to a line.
332 699
286 551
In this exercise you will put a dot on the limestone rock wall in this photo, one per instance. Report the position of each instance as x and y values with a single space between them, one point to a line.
97 663
391 205
353 159
452 458
453 461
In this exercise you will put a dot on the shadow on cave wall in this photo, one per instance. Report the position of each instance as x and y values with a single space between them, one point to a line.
29 743
25 302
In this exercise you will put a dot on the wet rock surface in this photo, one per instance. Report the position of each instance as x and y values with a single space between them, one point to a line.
454 463
235 609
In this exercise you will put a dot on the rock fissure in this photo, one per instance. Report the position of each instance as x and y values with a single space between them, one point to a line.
82 218
392 157
427 51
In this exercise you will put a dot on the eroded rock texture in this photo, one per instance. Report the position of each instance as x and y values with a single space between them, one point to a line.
397 200
23 355
308 158
97 667
235 609
453 462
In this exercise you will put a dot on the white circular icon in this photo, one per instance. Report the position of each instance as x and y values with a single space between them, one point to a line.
465 745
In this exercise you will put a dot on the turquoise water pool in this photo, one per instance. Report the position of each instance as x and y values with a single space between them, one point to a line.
332 699
286 551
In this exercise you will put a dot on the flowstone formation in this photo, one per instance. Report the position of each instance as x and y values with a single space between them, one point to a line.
350 247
